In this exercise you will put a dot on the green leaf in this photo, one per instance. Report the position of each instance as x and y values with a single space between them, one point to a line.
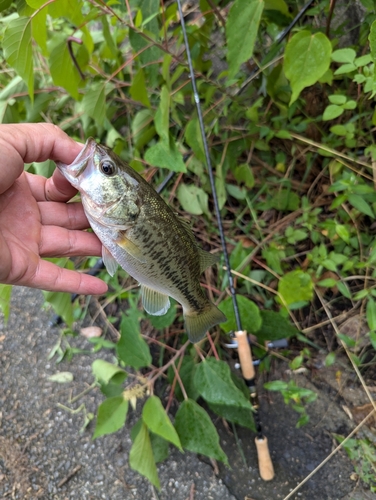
165 155
339 130
17 46
70 9
39 30
61 377
111 44
337 99
4 4
63 71
372 337
296 286
138 89
248 311
105 372
285 199
276 385
162 116
344 55
132 348
244 175
5 295
159 447
371 313
193 199
166 320
94 101
214 382
197 432
307 58
111 416
141 457
332 111
274 327
241 32
62 304
360 204
194 139
187 372
372 40
156 418
343 232
345 68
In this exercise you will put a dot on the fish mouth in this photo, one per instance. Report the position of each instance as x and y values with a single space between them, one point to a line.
79 164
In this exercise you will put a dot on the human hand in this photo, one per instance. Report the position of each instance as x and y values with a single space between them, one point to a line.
35 220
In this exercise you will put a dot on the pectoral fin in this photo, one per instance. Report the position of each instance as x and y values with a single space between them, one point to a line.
128 245
109 261
154 302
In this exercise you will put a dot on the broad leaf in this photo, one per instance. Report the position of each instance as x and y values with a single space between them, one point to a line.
105 372
63 71
156 418
197 432
187 372
94 101
307 58
194 139
296 287
193 199
111 416
360 204
132 348
371 313
165 155
17 47
241 32
214 382
138 88
141 456
62 304
249 312
274 327
39 29
372 40
159 447
162 116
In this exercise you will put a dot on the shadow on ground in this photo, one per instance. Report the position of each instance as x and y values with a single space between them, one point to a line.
44 455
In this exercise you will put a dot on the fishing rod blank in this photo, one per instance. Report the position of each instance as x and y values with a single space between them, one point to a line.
244 350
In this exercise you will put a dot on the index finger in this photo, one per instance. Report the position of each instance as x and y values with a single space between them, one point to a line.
29 142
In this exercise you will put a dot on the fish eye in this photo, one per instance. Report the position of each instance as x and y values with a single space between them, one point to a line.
108 168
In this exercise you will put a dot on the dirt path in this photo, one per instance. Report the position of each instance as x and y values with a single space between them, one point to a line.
44 455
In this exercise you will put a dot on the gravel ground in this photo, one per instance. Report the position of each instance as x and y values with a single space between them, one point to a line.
44 455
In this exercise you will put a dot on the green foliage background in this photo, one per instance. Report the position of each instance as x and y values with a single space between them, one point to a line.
290 124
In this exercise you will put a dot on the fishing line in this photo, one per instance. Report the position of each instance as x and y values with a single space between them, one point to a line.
244 350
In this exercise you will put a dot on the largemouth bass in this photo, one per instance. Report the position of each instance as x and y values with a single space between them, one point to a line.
139 231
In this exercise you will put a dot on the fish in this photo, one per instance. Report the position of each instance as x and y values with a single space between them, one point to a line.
142 234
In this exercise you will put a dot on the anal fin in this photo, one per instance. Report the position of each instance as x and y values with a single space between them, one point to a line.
154 302
109 261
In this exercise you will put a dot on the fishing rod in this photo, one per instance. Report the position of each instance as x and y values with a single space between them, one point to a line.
244 350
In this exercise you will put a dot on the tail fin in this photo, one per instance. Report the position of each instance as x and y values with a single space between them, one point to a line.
198 323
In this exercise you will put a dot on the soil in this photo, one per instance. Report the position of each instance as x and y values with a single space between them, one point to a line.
44 454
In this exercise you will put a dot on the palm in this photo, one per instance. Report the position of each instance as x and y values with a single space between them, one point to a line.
32 227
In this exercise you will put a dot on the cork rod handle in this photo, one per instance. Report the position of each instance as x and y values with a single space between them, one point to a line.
265 462
245 355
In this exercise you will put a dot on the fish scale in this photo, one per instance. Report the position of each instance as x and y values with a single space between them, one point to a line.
142 234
